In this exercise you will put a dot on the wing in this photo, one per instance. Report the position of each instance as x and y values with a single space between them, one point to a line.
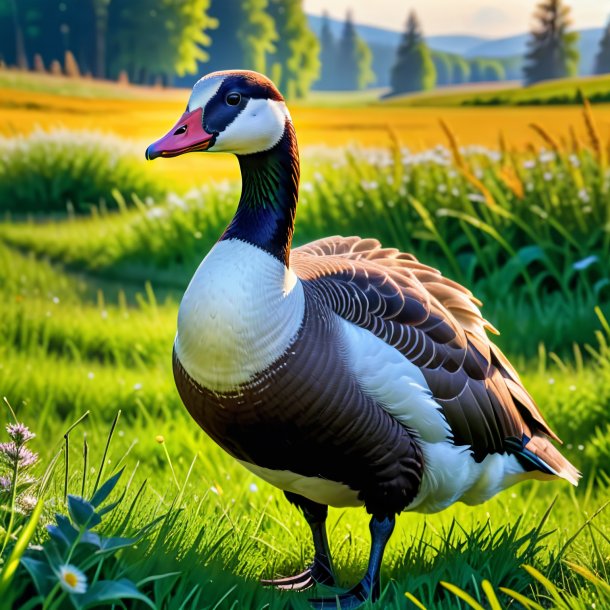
437 325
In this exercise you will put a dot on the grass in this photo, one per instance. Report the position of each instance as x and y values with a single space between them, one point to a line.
527 232
73 171
67 348
221 528
565 91
234 529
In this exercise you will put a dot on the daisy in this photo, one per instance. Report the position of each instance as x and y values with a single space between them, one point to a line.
72 579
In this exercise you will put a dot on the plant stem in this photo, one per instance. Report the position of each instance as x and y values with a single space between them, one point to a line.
11 520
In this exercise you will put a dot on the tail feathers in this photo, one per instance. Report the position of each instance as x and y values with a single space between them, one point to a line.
542 450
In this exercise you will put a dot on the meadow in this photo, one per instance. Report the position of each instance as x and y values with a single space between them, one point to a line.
565 91
88 309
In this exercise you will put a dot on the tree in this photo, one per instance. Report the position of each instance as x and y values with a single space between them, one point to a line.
552 50
477 70
169 41
244 36
444 68
328 52
258 33
20 54
100 8
413 69
354 59
493 71
364 61
602 59
294 63
460 70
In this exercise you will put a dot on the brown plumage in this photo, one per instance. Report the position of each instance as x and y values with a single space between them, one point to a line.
437 325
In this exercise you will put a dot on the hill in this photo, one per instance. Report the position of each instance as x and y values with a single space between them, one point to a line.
517 45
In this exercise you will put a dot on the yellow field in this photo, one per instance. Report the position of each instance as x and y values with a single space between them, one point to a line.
145 116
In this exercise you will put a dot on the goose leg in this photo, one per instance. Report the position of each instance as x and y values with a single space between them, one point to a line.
369 587
320 571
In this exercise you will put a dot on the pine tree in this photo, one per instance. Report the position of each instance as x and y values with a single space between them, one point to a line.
354 59
414 69
244 36
602 59
328 53
294 63
553 51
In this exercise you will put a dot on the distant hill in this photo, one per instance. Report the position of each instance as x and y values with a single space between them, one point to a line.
517 45
453 43
383 43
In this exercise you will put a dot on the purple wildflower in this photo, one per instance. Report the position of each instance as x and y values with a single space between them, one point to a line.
5 484
12 452
20 433
27 503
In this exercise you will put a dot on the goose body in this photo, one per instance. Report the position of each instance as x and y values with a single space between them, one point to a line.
342 372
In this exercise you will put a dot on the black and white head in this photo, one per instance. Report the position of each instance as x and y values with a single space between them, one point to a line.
237 111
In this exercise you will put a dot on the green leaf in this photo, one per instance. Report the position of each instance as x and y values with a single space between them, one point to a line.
112 544
8 569
600 285
41 574
462 595
108 591
58 536
106 489
82 512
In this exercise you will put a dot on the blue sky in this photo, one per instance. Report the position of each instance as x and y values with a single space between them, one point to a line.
487 18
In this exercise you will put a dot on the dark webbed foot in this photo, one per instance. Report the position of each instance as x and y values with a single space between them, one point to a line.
316 574
369 587
320 571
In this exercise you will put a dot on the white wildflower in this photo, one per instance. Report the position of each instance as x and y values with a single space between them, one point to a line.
583 195
72 579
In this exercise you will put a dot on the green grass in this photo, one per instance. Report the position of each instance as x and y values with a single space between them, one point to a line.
563 91
65 349
74 171
528 233
86 88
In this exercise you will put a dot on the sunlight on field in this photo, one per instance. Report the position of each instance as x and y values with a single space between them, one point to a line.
150 115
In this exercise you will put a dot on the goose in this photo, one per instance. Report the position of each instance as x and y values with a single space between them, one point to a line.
344 373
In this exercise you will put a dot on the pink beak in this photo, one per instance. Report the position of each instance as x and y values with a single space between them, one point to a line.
187 135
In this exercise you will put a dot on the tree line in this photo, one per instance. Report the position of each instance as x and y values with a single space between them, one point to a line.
163 40
147 41
552 53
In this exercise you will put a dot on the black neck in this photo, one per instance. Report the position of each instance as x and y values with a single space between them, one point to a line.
270 185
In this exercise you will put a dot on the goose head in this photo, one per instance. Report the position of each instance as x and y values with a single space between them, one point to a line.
237 111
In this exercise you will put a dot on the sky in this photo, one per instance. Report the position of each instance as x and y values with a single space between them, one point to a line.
486 18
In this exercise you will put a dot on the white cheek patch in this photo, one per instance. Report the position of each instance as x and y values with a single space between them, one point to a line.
258 127
203 91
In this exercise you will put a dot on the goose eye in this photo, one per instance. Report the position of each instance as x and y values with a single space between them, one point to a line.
233 99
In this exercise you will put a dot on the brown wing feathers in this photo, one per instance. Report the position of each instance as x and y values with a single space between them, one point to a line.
437 325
